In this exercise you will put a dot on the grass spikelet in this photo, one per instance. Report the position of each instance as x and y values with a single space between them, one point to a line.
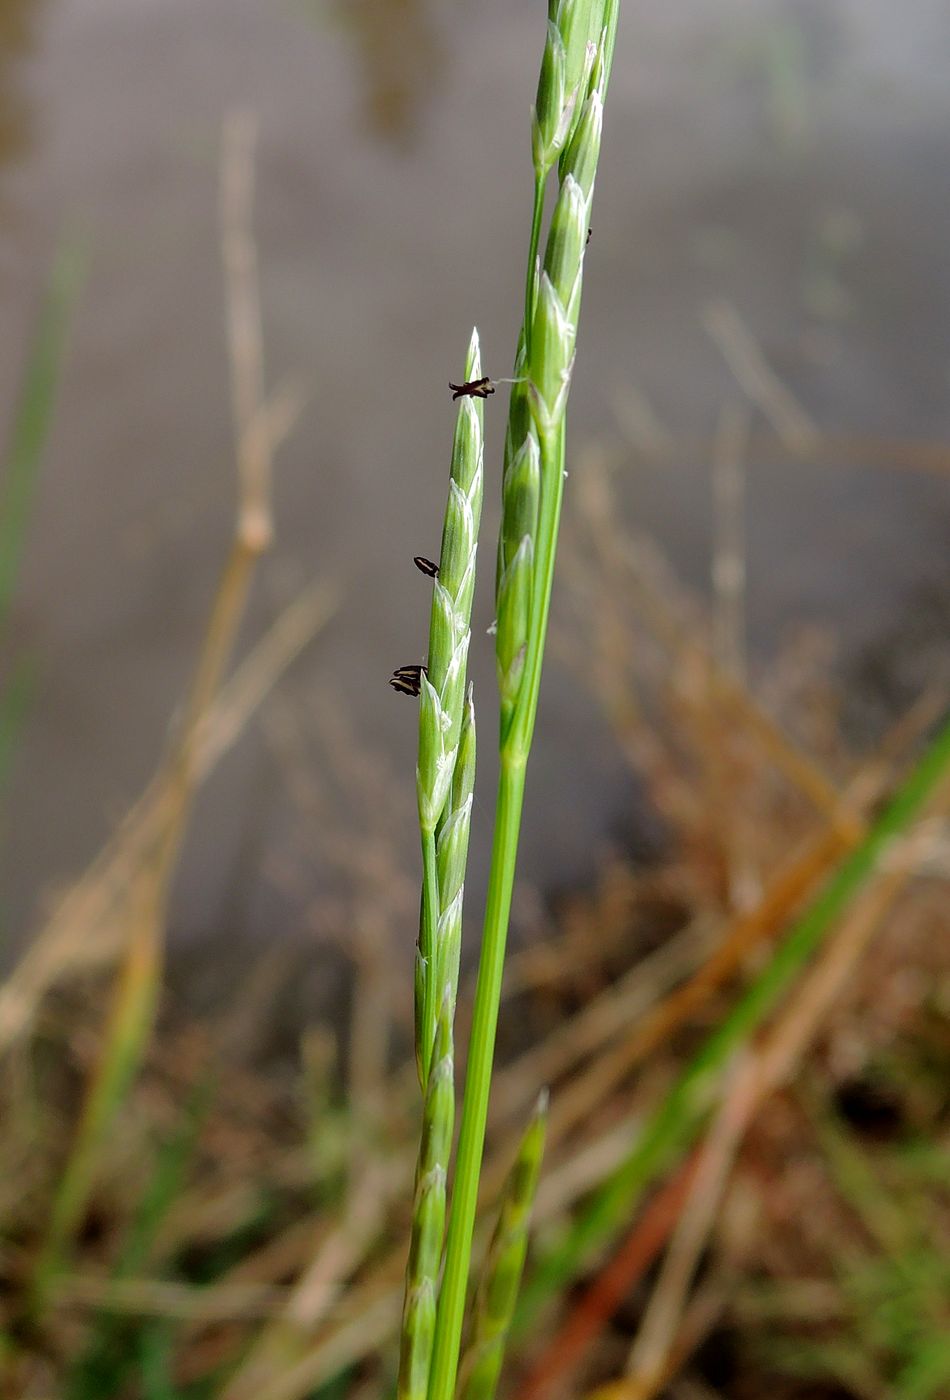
514 610
498 1290
445 782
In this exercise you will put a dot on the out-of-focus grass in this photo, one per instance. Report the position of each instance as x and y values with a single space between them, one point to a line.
32 421
112 1352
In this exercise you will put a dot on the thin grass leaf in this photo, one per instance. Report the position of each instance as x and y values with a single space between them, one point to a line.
127 1033
32 421
34 411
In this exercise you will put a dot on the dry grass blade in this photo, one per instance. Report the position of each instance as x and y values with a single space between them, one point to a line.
285 1344
756 377
648 1357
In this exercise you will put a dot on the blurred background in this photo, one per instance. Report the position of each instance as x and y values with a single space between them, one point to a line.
753 608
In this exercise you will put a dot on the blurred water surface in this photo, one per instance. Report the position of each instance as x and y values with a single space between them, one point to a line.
789 156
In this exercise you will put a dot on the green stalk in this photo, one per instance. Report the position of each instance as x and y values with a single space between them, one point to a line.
679 1118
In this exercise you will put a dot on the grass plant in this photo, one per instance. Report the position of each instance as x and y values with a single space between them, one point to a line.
566 129
32 422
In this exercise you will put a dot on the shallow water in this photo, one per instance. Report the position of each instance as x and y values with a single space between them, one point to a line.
790 157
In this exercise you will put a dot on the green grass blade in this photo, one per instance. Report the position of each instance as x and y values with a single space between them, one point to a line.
34 412
32 420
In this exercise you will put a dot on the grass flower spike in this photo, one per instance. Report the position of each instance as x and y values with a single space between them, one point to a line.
445 782
443 708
